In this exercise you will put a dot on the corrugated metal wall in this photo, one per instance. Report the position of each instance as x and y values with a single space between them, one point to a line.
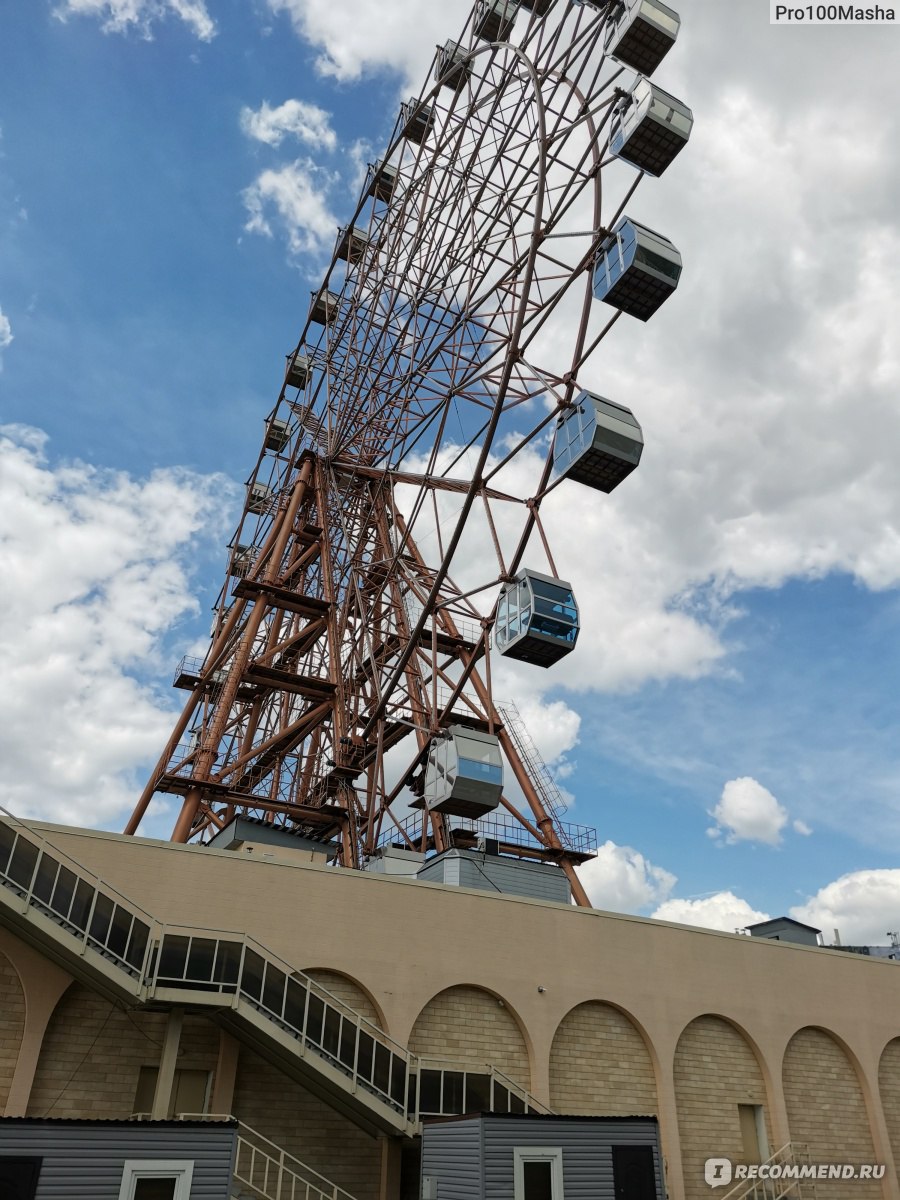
490 872
473 1159
451 1154
84 1160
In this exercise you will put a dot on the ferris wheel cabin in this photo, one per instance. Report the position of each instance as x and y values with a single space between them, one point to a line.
381 180
298 371
352 243
452 68
325 307
636 270
416 122
537 619
598 443
641 33
650 128
464 773
494 19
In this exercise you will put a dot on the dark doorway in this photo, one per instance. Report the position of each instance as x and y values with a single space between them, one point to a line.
19 1177
634 1176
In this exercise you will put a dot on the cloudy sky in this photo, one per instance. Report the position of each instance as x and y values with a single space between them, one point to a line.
171 176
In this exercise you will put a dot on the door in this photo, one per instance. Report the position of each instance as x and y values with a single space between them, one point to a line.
634 1175
19 1177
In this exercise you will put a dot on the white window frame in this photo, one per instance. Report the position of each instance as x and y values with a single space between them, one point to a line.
135 1169
551 1154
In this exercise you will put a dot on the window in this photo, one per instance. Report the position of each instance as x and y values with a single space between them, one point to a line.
537 1173
156 1179
18 1177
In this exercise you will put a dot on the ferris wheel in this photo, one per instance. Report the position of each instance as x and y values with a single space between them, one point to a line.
391 547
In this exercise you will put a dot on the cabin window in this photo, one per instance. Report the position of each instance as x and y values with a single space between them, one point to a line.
537 1173
156 1179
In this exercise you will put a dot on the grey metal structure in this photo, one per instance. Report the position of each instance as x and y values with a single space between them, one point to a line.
381 180
496 873
352 243
641 33
786 929
325 307
537 619
598 443
464 773
298 371
416 121
636 269
649 127
475 1157
85 1160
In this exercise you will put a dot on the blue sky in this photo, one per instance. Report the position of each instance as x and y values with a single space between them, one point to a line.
170 178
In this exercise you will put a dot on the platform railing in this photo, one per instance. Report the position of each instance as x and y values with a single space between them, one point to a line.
48 881
447 1087
237 965
790 1158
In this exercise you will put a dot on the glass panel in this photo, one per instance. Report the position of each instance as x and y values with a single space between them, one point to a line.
22 864
665 267
7 837
516 1103
81 906
398 1080
478 1093
429 1091
382 1067
200 959
558 630
452 1098
228 962
44 881
294 1004
137 944
273 991
537 1180
366 1058
315 1018
252 976
172 957
484 772
103 911
501 1099
156 1189
119 931
347 1053
64 891
332 1032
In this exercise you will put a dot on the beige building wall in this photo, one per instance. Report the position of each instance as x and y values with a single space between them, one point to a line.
599 1064
468 1024
93 1051
349 991
286 1113
715 1071
12 1025
889 1091
827 1111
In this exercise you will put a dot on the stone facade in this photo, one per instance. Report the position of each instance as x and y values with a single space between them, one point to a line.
600 1065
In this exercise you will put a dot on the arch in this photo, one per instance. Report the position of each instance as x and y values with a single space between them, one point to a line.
471 1024
12 1005
717 1071
601 1064
351 991
889 1090
825 1103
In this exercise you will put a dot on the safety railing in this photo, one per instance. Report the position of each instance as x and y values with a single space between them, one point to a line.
236 965
445 1088
46 880
276 1175
783 1177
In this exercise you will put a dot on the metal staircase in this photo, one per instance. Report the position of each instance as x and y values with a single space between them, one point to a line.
113 945
785 1177
545 785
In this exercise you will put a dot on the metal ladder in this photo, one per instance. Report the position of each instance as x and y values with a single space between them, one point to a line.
545 785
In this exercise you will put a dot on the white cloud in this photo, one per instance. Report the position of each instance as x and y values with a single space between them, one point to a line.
119 16
94 568
723 911
802 828
621 879
356 36
862 906
294 118
748 812
292 200
6 333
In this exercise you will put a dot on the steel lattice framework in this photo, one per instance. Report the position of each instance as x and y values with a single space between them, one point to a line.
387 503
